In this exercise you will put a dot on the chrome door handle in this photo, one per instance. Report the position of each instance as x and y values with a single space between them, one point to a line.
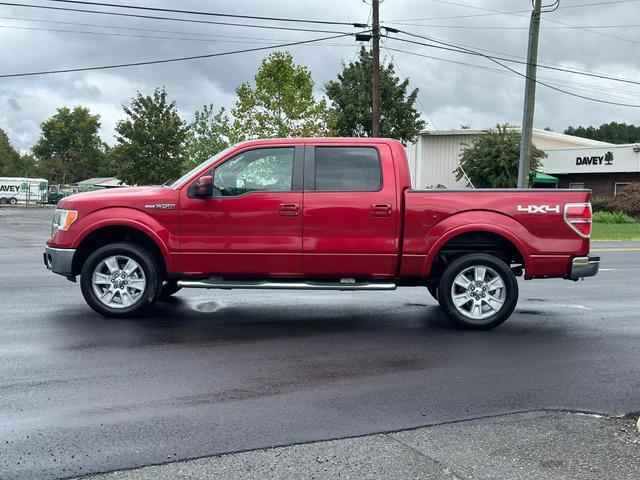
289 209
381 210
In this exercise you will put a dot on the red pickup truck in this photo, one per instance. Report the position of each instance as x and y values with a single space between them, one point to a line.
318 214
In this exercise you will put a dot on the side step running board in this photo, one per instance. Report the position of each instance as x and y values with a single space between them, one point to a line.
274 285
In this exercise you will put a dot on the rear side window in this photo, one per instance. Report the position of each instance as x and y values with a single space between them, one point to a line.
347 169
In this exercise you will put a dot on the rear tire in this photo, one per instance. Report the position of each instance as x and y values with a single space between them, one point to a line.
120 280
3 201
478 291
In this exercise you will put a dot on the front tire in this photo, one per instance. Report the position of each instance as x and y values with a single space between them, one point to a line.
120 280
478 291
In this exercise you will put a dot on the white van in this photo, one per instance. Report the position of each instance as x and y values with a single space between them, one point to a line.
14 190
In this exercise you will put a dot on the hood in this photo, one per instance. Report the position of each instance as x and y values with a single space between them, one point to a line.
115 197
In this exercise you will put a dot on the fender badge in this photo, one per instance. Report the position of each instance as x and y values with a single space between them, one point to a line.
161 206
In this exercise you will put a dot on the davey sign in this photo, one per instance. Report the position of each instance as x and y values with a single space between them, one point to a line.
606 159
592 160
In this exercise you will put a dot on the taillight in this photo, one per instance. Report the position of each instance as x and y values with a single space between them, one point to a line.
578 217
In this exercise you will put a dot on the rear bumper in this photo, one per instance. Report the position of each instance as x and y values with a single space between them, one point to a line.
584 267
59 260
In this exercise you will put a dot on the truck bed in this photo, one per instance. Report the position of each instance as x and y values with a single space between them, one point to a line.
530 219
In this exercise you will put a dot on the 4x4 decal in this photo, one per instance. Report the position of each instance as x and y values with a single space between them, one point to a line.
539 208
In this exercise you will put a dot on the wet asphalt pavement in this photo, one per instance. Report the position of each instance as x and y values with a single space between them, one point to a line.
223 371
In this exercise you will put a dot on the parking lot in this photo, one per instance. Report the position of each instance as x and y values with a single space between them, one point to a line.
226 371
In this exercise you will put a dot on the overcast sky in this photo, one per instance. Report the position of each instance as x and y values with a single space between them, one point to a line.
451 94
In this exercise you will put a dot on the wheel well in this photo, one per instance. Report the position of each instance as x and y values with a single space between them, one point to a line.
107 235
477 242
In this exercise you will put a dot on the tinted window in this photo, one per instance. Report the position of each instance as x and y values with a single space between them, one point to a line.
267 169
347 169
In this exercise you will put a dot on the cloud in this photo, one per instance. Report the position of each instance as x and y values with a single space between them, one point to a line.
450 93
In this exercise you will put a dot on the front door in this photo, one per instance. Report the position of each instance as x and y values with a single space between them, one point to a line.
253 223
351 218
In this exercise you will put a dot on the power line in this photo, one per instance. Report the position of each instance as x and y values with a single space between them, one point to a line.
171 60
426 112
449 2
136 29
500 71
581 5
212 14
240 40
451 17
500 12
541 64
493 59
461 49
499 27
175 19
355 54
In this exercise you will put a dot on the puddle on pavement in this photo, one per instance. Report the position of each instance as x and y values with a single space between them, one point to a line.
208 307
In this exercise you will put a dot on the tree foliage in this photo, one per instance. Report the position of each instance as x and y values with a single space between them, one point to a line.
280 105
351 96
9 156
13 164
627 201
612 132
209 133
492 160
69 148
150 145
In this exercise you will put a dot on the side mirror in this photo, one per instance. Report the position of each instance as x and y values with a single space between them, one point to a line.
203 188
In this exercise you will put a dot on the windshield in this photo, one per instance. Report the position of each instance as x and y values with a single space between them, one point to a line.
187 175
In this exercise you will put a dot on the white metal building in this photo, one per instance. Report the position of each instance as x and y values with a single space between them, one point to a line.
435 155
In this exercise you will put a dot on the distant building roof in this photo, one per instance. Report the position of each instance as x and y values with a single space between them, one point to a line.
561 137
102 182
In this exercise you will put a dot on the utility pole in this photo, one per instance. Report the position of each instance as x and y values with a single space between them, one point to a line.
375 74
529 98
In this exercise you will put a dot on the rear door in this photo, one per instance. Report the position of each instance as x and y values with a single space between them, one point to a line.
350 214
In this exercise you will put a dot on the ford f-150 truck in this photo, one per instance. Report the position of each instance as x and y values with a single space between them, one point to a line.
318 214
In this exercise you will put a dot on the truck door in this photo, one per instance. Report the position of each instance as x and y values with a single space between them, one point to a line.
253 226
350 215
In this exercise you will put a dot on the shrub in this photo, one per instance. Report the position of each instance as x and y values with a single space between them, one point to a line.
612 217
600 204
627 201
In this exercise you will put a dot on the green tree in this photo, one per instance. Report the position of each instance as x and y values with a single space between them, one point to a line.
151 141
27 166
208 134
9 156
492 160
281 104
350 95
69 148
612 132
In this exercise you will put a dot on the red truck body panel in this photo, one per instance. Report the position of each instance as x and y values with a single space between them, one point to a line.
394 232
343 231
545 241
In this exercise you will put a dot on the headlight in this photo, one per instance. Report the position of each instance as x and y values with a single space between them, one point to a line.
62 220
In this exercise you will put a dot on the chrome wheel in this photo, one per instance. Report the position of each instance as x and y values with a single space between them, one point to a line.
118 281
478 292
